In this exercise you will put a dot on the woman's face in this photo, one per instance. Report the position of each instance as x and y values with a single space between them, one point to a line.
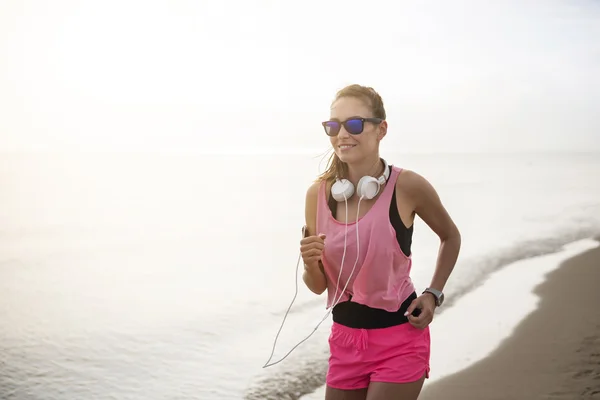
353 148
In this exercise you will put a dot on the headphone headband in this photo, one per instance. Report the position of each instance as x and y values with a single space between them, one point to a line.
386 173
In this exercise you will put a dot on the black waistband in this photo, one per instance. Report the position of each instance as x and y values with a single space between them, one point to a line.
359 316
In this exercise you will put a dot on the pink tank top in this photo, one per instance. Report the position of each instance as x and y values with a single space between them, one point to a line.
381 278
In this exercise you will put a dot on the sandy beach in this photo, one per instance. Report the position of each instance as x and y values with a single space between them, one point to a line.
554 353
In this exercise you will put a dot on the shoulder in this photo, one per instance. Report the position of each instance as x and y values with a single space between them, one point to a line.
414 185
410 180
311 206
312 193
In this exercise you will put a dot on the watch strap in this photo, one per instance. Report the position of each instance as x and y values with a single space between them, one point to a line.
436 293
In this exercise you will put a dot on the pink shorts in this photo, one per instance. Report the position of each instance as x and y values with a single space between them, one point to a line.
398 354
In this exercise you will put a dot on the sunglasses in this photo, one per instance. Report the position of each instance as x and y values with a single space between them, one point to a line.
353 126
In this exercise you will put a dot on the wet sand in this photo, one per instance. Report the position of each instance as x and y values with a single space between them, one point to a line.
554 353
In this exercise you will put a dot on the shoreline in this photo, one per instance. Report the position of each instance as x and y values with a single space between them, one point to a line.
459 345
553 353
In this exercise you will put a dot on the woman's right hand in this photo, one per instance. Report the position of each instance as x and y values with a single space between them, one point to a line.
311 248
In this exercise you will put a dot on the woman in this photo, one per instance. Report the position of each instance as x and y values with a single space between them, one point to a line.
357 247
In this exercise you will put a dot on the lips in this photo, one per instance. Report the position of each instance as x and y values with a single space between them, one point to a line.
346 146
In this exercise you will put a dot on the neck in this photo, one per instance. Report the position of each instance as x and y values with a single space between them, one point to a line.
372 166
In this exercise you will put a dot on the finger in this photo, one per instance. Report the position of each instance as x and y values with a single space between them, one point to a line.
417 322
418 318
311 239
311 257
414 304
308 244
425 314
422 320
319 237
313 246
318 245
312 253
311 260
416 312
414 323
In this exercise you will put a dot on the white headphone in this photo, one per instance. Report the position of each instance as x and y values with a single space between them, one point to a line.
368 187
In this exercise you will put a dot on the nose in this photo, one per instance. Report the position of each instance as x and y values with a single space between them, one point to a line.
343 133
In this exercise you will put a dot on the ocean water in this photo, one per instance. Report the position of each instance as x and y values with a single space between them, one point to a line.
165 276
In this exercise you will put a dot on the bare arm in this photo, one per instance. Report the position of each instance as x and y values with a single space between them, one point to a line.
313 275
428 206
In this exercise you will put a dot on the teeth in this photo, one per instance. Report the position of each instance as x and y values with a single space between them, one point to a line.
346 146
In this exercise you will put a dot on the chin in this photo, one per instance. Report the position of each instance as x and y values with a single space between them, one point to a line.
350 157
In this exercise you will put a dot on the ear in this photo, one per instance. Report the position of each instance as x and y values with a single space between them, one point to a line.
382 130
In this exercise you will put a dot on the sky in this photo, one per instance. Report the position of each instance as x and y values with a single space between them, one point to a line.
240 75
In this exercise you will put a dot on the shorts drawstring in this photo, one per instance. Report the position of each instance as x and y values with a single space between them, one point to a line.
362 340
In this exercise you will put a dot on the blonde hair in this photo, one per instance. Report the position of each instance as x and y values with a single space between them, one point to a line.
336 167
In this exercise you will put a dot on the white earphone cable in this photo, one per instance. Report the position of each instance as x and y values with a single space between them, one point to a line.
287 312
337 285
296 292
357 254
335 302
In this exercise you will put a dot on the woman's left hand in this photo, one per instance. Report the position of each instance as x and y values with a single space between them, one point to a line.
426 303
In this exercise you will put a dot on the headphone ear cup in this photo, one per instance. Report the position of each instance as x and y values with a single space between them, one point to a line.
342 189
368 187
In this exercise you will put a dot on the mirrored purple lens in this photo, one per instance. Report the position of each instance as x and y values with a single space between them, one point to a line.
354 126
332 128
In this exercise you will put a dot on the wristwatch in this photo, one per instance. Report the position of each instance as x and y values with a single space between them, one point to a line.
439 296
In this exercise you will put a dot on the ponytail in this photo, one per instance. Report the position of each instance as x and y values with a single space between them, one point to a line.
336 168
